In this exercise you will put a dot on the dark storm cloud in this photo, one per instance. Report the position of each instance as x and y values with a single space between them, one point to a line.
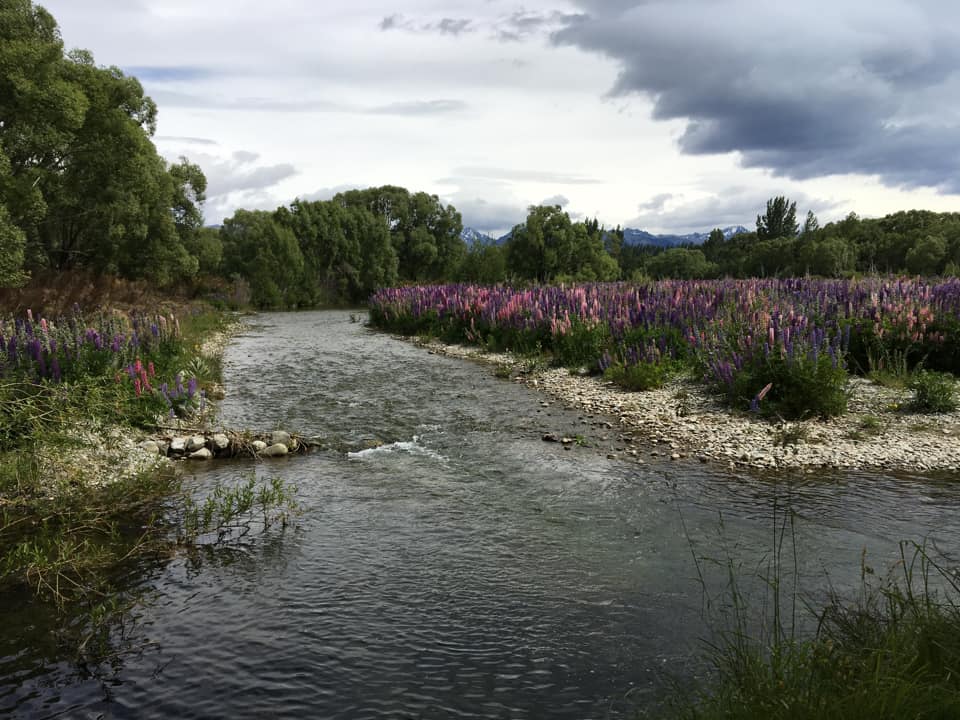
807 90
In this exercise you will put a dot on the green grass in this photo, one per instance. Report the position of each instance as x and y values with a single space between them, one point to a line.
891 653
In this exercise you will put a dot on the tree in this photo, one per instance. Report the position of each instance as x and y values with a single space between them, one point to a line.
682 263
86 186
927 256
542 247
265 253
779 221
424 232
12 239
810 225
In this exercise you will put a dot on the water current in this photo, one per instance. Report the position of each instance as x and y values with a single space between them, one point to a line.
449 563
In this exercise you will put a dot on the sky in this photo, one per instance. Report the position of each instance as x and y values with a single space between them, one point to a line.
663 115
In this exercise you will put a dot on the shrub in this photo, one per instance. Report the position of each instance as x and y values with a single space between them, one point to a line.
582 345
639 377
933 392
798 388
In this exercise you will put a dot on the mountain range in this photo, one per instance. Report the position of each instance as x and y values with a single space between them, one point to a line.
631 236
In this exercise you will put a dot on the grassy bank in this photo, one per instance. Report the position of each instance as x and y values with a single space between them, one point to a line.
79 500
890 654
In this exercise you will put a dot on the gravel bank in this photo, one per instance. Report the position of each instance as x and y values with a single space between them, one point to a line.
683 420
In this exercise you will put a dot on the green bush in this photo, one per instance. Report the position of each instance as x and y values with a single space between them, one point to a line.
800 387
582 345
933 392
639 377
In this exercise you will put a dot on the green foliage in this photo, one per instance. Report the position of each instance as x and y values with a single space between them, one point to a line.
484 264
891 653
638 377
680 263
267 254
934 392
582 345
800 387
228 513
424 233
780 220
548 247
80 180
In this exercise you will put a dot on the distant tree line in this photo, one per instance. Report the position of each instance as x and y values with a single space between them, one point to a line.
915 242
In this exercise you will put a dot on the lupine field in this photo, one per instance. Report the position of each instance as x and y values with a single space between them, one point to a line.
118 350
787 346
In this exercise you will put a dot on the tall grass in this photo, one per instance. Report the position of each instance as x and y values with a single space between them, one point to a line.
890 653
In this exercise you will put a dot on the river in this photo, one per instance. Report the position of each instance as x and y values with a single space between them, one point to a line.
462 567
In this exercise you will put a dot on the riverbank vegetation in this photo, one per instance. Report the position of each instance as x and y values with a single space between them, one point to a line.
79 500
891 652
779 347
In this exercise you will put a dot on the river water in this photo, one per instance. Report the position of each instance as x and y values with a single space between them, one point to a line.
461 568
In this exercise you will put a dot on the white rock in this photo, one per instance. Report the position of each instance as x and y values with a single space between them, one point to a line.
201 454
259 446
275 450
195 443
150 447
220 442
278 437
178 444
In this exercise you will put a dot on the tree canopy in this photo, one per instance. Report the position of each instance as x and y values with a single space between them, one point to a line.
81 182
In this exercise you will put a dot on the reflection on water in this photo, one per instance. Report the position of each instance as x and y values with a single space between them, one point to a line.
460 568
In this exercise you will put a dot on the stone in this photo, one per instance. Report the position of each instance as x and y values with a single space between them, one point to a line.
178 445
201 454
195 442
279 437
275 450
550 437
258 446
150 447
220 442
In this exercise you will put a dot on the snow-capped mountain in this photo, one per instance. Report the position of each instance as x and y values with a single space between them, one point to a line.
631 236
470 236
642 237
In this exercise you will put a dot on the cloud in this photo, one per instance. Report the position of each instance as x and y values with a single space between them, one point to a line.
444 26
419 107
306 105
328 193
524 24
545 176
238 181
560 200
808 90
656 203
737 206
490 217
184 140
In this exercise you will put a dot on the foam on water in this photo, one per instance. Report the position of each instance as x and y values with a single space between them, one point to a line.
410 447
